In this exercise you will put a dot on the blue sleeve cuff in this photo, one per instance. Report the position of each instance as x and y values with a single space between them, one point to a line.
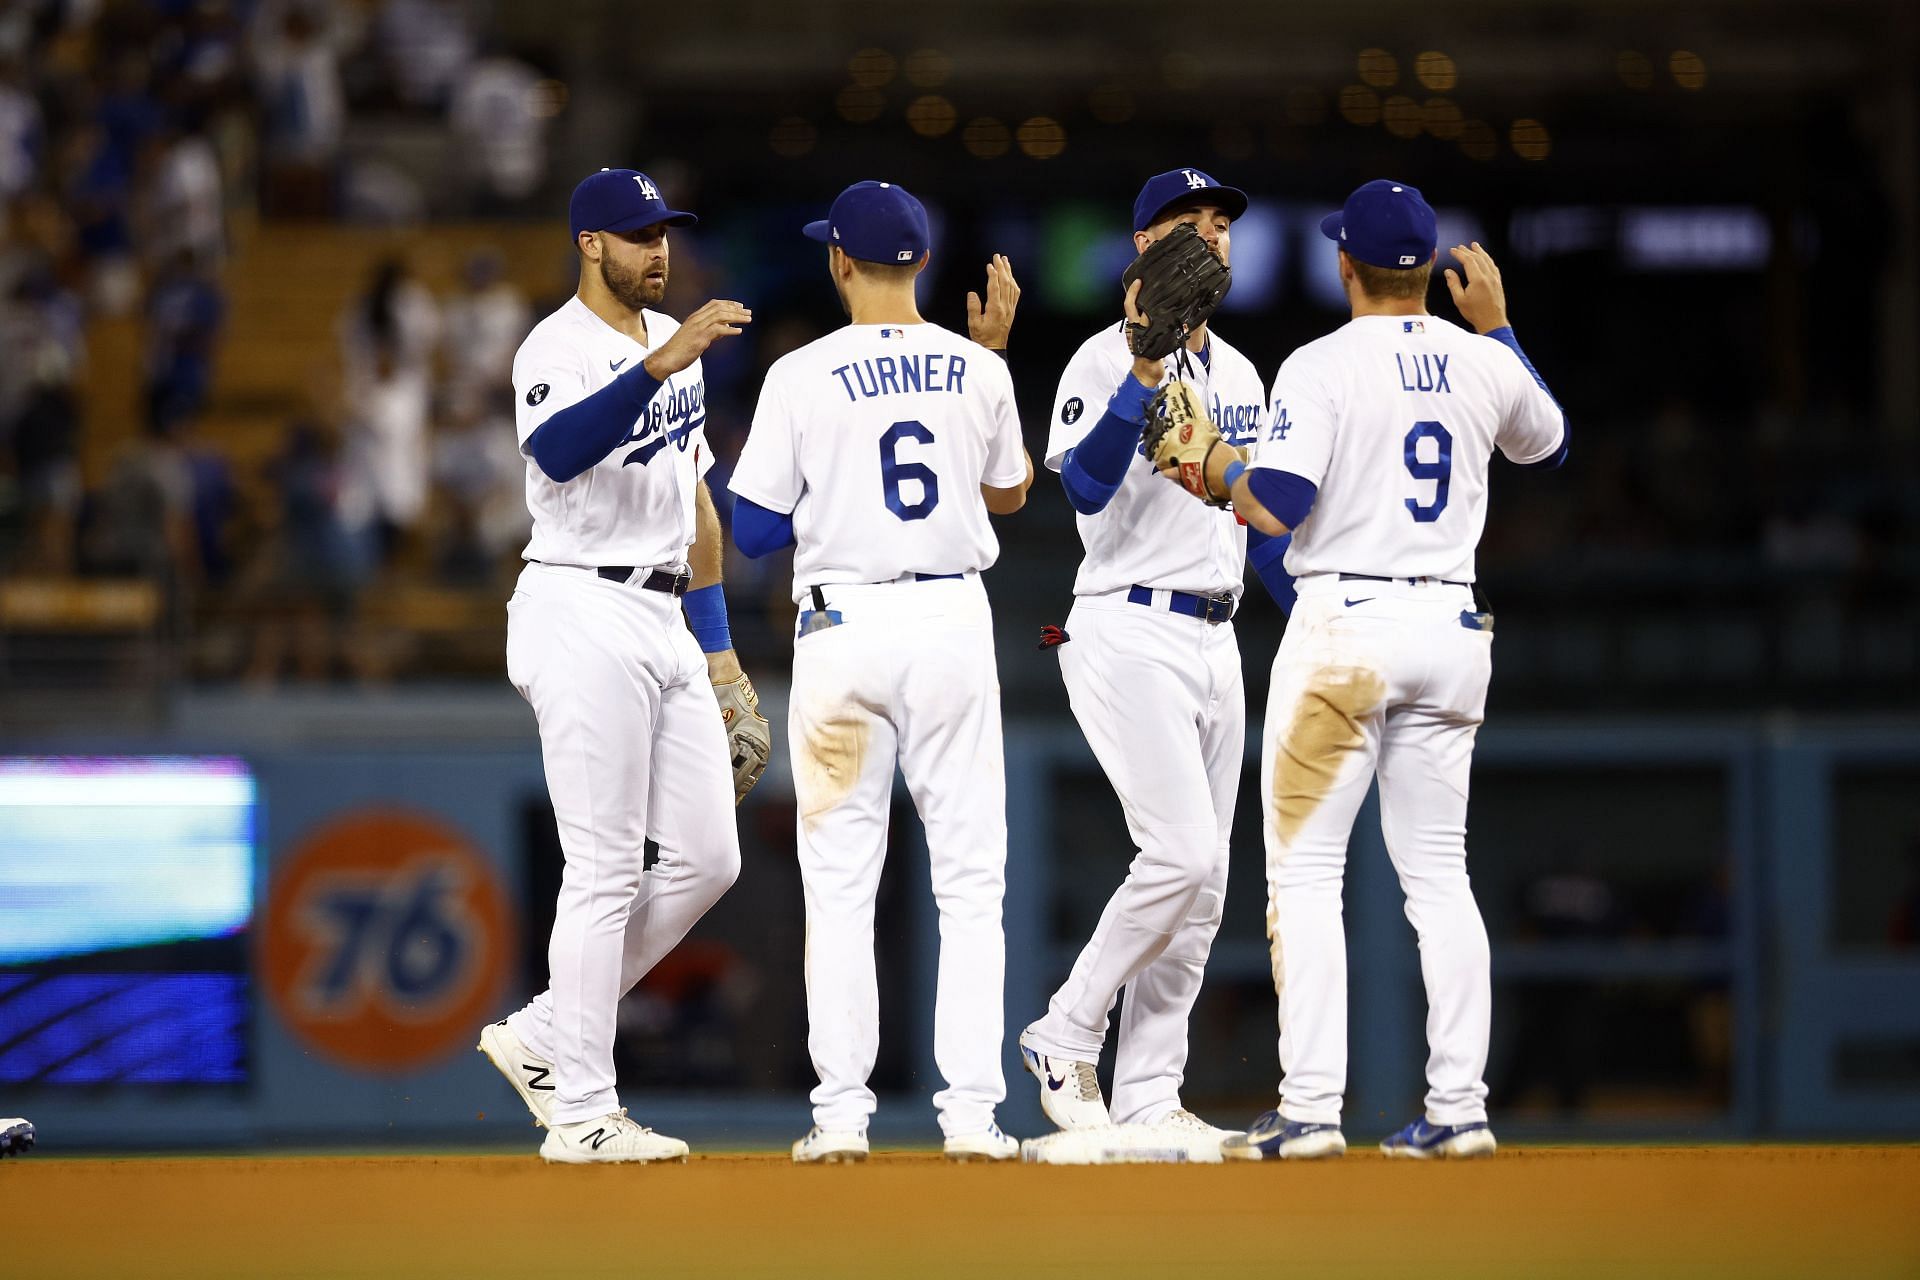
1287 497
758 531
1088 494
707 618
1267 557
576 438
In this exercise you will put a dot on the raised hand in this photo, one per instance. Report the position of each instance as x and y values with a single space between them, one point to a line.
1481 297
989 324
718 319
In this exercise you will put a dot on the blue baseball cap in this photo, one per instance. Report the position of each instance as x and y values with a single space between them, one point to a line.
621 200
1386 224
875 222
1183 188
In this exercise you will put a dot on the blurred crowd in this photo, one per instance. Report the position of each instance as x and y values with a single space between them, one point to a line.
135 135
140 140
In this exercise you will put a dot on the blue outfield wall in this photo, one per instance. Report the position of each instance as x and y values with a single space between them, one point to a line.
391 908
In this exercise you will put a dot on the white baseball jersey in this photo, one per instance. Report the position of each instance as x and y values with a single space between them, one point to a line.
635 506
1193 547
875 439
1396 418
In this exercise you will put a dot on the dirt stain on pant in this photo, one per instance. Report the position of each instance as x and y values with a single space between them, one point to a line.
832 753
1324 732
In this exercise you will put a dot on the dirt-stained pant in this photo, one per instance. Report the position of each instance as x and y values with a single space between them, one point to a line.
907 674
1394 682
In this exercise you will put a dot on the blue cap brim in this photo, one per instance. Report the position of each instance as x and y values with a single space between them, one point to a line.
670 217
821 230
1332 224
1231 201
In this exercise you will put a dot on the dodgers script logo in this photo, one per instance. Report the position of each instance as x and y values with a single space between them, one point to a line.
1236 421
673 415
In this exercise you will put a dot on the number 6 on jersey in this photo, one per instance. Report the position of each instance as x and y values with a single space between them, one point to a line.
893 471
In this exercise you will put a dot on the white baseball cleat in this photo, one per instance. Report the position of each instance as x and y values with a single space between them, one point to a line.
1200 1139
614 1138
1110 1144
831 1146
988 1144
530 1075
1069 1091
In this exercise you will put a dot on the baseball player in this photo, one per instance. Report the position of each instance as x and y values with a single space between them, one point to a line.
1153 675
878 451
636 699
1376 456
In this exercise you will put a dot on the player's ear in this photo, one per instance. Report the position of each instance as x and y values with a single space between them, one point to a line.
588 243
921 265
1141 240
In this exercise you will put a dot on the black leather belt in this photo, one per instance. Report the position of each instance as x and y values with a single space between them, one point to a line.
1375 577
674 584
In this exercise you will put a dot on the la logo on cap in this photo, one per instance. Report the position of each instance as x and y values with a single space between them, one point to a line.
647 189
1195 181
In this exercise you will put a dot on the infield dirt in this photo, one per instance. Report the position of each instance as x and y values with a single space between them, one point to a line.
1697 1212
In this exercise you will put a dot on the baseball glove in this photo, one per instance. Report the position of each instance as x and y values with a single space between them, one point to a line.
1180 437
749 741
1182 281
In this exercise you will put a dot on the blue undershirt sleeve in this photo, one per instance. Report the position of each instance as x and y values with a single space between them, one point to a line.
1092 470
1504 336
1286 496
1265 555
576 438
758 531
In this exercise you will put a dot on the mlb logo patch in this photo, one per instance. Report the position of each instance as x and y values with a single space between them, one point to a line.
893 333
1413 326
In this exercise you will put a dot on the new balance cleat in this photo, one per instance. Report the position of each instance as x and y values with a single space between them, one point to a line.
1200 1140
16 1136
1069 1091
988 1144
530 1075
831 1146
1274 1137
614 1138
1422 1140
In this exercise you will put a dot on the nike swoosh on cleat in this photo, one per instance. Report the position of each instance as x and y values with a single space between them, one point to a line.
615 364
1054 1084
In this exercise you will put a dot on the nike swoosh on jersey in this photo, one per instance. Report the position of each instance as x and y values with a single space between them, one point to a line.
1361 600
615 364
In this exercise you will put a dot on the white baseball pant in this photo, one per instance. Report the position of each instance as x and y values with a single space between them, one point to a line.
633 747
909 675
1394 682
1160 698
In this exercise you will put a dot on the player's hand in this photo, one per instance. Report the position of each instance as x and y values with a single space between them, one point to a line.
1148 370
989 324
1476 289
718 319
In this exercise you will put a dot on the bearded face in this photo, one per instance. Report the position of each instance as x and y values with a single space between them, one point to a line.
633 266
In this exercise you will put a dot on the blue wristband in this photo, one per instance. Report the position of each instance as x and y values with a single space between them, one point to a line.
1234 471
707 618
